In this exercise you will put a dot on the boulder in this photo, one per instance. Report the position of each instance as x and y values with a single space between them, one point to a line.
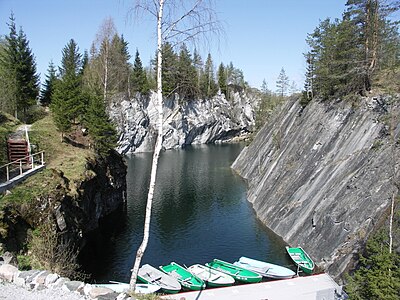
9 258
7 272
96 292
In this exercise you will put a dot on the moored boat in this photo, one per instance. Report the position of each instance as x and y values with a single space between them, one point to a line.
186 279
265 269
212 277
149 274
301 259
238 273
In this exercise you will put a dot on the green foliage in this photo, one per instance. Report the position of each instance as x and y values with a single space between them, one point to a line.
282 84
208 87
139 80
8 124
222 79
186 75
18 76
268 104
24 262
169 69
48 86
378 276
100 127
67 101
347 56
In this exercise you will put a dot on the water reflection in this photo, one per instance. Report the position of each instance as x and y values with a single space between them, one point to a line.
200 212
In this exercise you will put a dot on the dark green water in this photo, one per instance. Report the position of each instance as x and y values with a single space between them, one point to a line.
200 212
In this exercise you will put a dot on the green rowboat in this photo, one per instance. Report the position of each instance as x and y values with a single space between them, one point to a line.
186 279
238 273
301 259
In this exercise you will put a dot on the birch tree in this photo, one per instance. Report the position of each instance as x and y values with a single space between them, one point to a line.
178 21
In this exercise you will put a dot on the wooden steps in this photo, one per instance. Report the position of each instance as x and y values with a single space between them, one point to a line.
18 149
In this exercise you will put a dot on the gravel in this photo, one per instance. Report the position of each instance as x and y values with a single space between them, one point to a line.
11 291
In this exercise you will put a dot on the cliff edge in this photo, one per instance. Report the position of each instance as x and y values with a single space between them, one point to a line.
322 177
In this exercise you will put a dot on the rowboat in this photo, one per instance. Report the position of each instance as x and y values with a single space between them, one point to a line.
301 259
149 274
213 278
121 287
236 272
265 269
186 279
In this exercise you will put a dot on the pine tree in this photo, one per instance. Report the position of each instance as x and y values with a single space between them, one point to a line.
282 83
20 73
139 80
222 80
48 86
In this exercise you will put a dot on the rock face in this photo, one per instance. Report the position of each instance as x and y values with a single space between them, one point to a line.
322 178
193 122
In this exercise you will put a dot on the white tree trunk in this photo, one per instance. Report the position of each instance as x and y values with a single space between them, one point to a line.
157 150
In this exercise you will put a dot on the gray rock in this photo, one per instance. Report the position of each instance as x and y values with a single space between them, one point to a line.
51 279
9 258
59 282
41 277
321 177
73 286
96 292
25 278
7 272
193 122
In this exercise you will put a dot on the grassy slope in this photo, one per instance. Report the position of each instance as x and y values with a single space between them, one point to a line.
59 156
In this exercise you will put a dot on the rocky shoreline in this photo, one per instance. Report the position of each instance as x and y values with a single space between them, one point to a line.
37 284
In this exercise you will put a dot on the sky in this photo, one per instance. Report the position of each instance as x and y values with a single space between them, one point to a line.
260 36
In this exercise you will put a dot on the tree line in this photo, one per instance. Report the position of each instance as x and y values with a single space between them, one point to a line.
80 90
353 54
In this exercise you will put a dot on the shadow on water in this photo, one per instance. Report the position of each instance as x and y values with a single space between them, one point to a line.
200 212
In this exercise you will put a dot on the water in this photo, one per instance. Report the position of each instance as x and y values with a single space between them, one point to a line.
200 212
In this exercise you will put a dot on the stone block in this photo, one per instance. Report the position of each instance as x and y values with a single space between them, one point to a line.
73 286
41 277
7 272
96 292
59 282
50 279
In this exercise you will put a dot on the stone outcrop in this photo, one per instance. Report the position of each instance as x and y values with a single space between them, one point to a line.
101 191
193 122
322 177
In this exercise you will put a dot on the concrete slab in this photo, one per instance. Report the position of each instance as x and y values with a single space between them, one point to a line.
316 287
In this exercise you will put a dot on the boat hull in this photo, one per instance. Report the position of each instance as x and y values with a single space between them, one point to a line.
211 277
301 259
185 278
168 284
265 269
238 273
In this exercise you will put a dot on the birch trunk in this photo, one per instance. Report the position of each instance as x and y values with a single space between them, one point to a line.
156 154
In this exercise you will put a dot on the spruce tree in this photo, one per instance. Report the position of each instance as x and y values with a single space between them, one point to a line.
208 86
139 81
169 69
67 102
48 86
19 67
222 80
186 75
100 128
282 83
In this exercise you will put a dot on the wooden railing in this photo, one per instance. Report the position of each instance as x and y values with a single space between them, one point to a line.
20 166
